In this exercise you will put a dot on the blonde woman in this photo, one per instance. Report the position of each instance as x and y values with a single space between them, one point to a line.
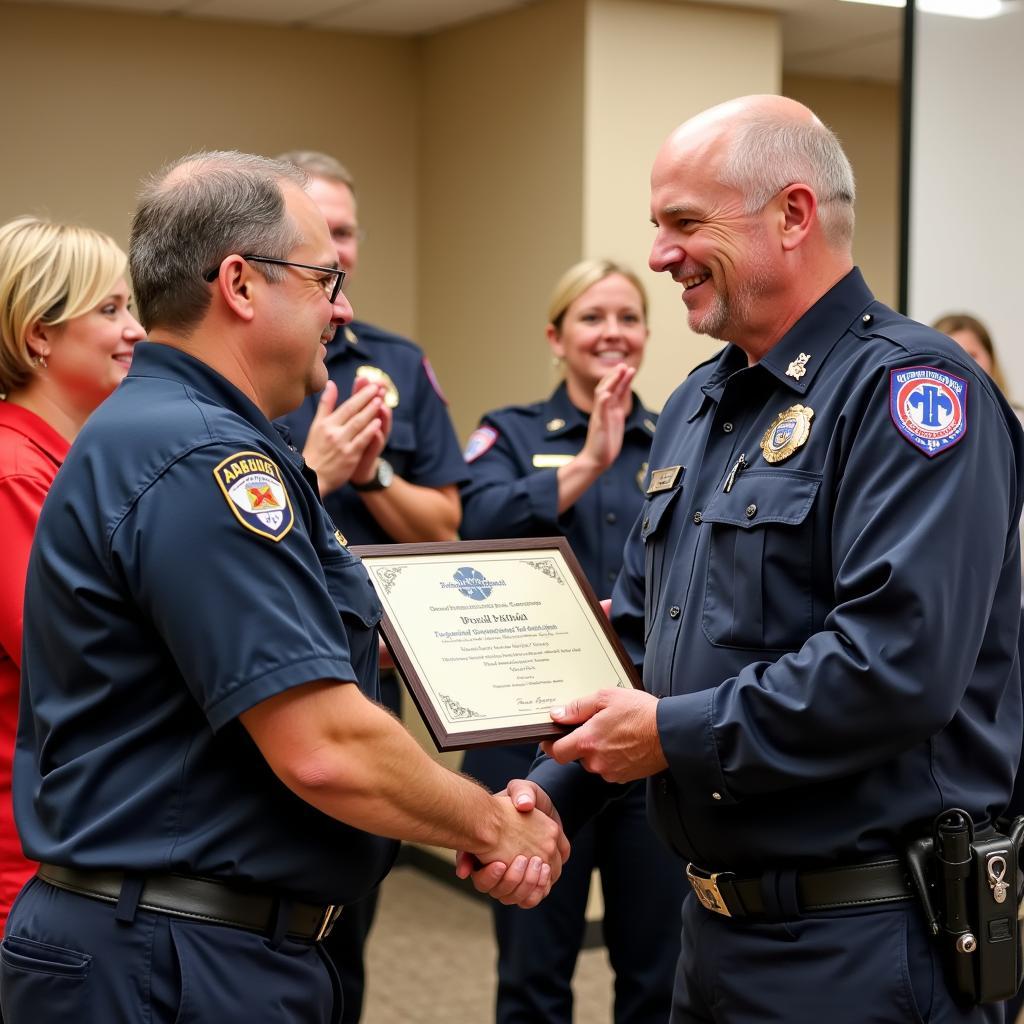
575 464
66 341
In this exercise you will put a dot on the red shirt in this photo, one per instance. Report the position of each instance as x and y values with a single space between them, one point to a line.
31 452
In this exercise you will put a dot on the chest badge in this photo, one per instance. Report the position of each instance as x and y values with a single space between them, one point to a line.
789 430
375 375
798 367
556 424
252 486
663 479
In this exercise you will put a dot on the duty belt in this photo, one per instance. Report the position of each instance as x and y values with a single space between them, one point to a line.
200 899
880 881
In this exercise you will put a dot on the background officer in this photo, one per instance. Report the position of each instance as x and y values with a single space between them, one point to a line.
830 613
574 464
200 767
383 478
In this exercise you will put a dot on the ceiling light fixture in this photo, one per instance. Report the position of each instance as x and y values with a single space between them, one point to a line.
954 8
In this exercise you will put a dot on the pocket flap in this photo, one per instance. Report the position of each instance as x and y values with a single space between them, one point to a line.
351 589
654 510
765 496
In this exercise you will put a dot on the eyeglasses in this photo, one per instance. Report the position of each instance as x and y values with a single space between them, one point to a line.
331 283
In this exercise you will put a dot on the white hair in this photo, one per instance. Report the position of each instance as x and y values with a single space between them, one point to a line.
767 153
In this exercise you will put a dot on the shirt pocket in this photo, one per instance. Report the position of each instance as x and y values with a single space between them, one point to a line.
360 611
401 445
759 591
653 533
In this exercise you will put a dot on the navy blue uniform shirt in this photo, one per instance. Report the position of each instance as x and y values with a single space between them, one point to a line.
833 634
422 446
184 571
513 492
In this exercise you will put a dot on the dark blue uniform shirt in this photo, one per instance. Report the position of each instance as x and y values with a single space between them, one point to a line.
184 571
422 446
834 635
513 490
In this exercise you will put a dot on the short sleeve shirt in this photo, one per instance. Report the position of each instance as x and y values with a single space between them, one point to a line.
184 571
422 446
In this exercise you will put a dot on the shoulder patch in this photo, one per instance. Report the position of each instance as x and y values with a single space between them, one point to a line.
432 377
928 407
481 440
255 493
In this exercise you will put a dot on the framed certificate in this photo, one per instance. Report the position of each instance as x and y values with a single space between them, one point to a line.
490 635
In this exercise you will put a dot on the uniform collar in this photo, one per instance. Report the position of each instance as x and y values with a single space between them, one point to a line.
35 430
346 342
801 352
152 359
561 417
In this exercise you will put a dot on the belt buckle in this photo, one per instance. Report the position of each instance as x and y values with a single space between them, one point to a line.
331 914
705 885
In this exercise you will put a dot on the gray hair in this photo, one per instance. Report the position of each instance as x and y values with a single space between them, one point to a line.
195 212
320 165
768 153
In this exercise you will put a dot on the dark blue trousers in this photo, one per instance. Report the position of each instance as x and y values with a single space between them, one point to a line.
877 966
65 958
643 887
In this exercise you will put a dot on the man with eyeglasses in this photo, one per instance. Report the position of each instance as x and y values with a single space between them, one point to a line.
385 475
202 769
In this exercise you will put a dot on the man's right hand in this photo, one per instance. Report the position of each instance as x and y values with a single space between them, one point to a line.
340 434
528 857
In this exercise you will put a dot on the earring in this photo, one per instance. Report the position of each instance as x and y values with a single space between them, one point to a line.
39 362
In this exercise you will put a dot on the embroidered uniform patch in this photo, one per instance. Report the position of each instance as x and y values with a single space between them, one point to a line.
928 407
481 440
255 493
432 377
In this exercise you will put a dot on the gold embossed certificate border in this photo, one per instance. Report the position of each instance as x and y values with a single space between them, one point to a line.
489 635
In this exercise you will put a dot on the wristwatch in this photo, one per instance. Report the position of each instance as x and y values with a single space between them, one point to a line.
380 480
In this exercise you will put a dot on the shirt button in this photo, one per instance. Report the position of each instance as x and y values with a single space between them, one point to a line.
698 518
727 427
751 511
716 795
673 612
611 517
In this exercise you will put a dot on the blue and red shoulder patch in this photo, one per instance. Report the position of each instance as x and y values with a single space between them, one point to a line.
928 407
252 486
480 441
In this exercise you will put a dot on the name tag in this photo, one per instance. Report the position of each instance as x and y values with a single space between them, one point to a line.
663 479
547 460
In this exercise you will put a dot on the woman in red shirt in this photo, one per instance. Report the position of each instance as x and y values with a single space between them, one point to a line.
66 341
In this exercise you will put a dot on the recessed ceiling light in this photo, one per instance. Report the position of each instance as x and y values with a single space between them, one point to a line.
954 8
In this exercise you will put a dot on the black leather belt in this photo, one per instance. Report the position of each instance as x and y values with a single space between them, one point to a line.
200 899
858 885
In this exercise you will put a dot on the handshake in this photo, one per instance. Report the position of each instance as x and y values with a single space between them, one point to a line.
525 860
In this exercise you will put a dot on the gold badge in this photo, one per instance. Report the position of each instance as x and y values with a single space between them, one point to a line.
556 424
340 538
798 367
550 460
641 475
788 432
376 375
663 479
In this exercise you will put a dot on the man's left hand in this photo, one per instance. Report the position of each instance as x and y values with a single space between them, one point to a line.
616 735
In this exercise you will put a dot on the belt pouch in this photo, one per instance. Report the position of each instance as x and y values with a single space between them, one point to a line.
994 885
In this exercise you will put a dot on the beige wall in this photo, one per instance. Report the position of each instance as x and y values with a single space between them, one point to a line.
500 208
96 99
650 66
866 117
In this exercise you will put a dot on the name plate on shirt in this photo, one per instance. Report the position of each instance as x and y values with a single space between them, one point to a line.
490 635
550 460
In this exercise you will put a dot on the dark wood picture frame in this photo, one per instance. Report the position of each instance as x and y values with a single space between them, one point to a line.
443 738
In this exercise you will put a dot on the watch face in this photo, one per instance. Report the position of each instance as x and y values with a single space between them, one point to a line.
385 473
